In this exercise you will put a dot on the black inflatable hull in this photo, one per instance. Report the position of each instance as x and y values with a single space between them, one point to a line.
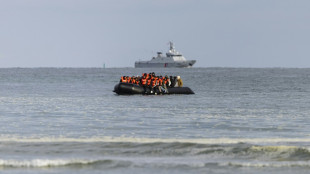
130 89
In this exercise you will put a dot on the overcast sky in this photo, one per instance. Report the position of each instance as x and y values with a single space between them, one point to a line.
216 33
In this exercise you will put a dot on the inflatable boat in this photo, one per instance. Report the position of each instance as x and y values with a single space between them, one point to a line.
130 89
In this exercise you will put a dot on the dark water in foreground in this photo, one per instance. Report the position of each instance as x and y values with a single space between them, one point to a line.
68 120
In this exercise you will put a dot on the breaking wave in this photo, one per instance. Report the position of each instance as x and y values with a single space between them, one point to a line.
110 152
110 163
42 163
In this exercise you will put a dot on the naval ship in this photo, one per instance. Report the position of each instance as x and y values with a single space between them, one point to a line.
173 59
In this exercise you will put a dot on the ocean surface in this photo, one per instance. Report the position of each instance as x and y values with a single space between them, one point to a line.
241 120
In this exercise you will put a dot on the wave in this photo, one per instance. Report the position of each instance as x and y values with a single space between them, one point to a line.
41 163
267 164
153 150
123 151
159 163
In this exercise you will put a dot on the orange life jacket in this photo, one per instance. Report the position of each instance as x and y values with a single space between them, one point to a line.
143 81
123 79
154 82
157 82
166 81
160 82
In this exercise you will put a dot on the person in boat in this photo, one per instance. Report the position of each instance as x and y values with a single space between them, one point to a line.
130 79
153 84
168 82
160 84
133 80
173 81
179 81
138 80
143 74
165 84
144 81
124 79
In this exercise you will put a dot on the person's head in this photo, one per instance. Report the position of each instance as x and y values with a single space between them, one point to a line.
178 77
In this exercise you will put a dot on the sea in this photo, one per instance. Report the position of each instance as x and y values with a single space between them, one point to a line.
240 120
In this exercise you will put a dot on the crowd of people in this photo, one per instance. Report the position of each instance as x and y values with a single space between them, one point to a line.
153 82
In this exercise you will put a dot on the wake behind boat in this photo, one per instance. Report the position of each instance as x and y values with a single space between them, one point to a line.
149 84
173 59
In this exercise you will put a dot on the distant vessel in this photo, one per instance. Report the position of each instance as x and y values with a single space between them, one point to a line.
173 59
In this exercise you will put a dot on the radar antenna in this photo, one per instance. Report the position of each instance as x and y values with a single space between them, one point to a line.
171 46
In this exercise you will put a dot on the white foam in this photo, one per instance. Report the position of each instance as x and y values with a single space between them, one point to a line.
268 164
154 140
42 162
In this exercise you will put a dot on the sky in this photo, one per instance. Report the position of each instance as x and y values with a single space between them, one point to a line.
116 33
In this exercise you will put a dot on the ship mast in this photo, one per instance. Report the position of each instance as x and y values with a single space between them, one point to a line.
171 46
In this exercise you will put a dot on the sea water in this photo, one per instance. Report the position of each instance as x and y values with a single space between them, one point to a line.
240 120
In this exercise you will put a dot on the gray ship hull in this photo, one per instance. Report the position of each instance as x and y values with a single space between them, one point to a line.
148 64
